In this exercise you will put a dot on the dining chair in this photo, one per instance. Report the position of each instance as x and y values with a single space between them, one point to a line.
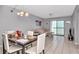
29 36
40 45
12 48
30 33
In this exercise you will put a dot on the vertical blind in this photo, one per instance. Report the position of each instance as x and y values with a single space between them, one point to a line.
57 27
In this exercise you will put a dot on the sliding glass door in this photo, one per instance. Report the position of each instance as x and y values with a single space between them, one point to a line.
57 27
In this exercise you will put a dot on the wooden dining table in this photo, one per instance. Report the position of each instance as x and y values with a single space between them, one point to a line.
21 43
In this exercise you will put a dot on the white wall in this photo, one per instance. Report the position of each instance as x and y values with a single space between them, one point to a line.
10 21
76 24
47 23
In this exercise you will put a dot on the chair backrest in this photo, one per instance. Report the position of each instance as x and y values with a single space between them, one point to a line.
30 33
6 42
10 32
41 42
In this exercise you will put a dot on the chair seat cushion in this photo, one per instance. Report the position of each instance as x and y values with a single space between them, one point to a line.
31 50
14 48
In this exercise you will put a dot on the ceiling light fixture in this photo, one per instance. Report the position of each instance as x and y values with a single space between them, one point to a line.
50 14
18 13
22 13
26 14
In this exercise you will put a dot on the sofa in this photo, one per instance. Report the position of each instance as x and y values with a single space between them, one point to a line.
43 30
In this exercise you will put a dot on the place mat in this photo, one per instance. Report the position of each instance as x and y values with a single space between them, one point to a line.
22 41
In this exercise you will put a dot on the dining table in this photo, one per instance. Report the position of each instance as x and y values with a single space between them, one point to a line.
22 42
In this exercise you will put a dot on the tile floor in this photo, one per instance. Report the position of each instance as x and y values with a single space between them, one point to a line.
59 45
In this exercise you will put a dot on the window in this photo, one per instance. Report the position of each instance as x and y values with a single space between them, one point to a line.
57 27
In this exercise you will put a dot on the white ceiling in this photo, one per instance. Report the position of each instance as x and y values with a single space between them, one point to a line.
48 11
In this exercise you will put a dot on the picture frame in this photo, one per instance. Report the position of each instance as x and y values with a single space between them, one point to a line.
38 23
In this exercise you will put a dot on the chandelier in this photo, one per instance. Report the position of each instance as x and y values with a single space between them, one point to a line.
22 13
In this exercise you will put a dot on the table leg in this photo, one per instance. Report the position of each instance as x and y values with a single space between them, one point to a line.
18 52
31 44
43 52
23 50
4 51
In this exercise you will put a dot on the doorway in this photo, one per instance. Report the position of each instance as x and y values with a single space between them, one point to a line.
57 27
